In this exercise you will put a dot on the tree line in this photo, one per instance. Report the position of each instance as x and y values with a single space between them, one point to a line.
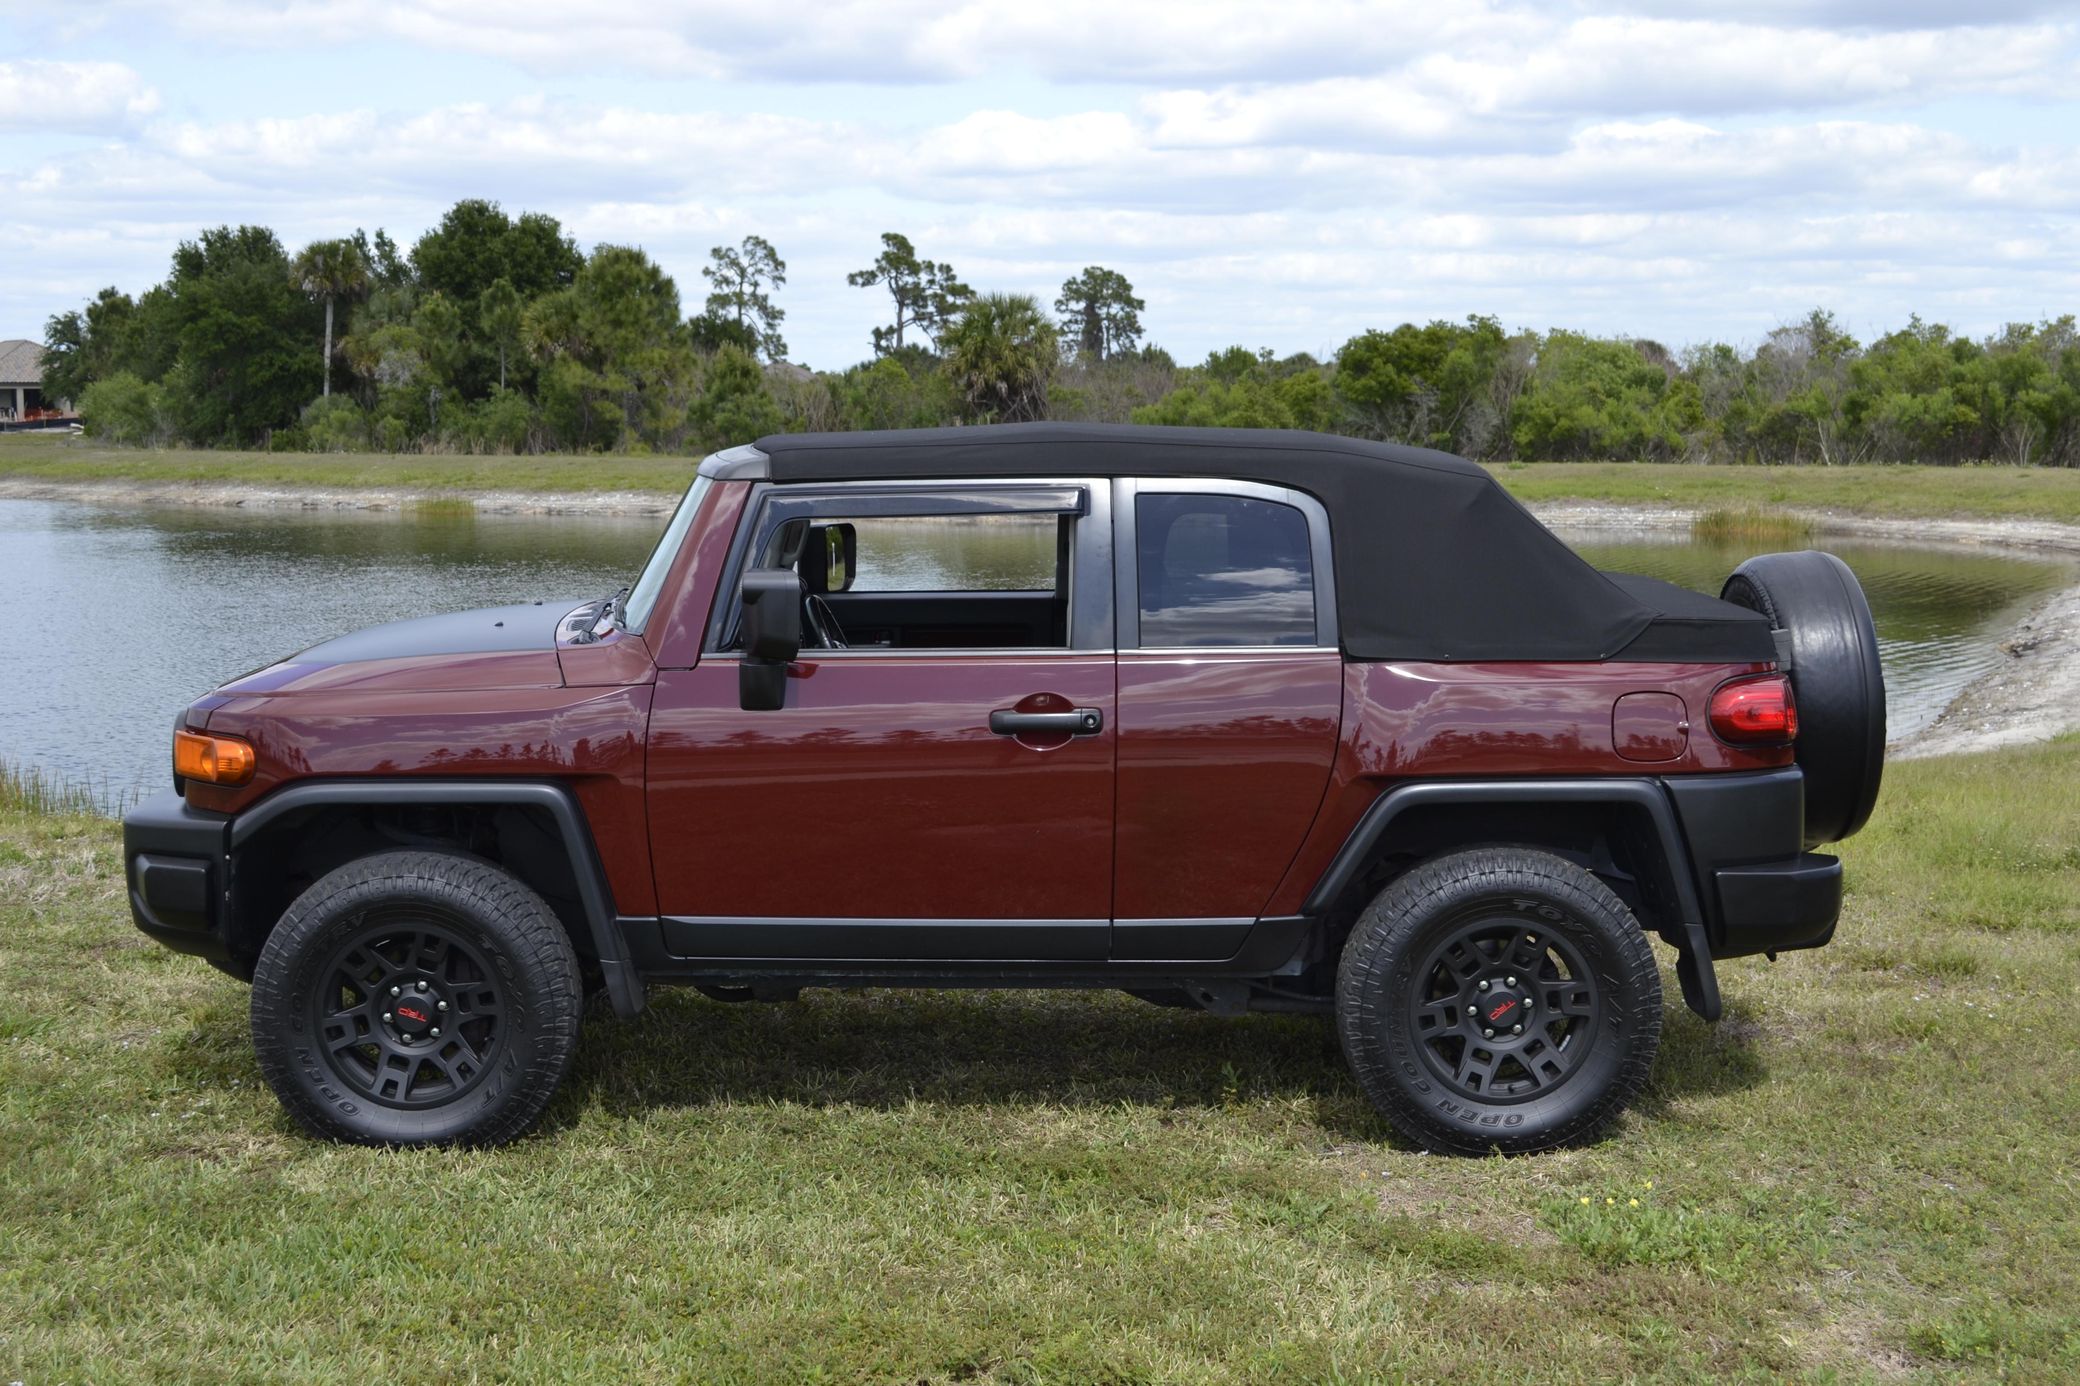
496 334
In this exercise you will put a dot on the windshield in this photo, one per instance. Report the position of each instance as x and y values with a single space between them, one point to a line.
643 596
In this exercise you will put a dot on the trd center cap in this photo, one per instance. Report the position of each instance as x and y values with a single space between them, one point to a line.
414 1014
1500 1010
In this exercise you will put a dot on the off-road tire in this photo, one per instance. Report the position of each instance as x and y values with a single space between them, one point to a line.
1551 919
483 943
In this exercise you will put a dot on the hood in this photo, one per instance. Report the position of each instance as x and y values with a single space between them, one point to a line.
496 647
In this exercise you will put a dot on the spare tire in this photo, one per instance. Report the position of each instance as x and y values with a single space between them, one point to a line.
1835 676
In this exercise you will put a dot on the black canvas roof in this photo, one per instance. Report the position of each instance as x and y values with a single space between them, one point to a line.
1434 560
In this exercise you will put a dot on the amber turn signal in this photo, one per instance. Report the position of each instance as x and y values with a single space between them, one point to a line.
211 759
1756 712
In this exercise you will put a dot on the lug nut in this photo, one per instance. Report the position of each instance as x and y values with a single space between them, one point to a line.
1514 1029
1527 1003
1487 1034
436 1031
421 986
1473 1010
443 1005
386 1017
1484 986
394 991
1509 981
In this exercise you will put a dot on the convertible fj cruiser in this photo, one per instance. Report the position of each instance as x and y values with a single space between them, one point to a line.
1258 721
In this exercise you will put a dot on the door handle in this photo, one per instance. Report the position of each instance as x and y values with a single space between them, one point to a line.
1077 721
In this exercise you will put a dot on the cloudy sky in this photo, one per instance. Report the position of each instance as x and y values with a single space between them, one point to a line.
1276 174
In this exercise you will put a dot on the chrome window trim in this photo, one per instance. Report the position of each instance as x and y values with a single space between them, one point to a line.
1126 577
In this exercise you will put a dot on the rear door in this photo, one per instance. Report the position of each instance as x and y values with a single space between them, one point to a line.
940 789
1230 706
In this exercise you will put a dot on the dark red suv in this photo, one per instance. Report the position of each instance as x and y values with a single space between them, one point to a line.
1229 720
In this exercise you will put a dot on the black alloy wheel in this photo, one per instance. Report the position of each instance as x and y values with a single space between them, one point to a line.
408 1014
1506 1010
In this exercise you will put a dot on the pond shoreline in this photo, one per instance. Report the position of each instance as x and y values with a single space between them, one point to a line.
2033 697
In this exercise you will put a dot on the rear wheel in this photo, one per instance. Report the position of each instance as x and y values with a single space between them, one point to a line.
416 998
1498 999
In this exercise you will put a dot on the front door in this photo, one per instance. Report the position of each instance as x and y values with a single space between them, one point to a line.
919 795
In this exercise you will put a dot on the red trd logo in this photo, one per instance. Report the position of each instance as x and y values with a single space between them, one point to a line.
409 1014
1500 1011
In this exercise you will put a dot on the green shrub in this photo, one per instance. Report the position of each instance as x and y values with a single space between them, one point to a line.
335 424
125 409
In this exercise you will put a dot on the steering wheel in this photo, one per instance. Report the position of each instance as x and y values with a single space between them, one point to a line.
822 623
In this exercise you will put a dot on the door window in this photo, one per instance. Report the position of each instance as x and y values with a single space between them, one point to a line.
1217 570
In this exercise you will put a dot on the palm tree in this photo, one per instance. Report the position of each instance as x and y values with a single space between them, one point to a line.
1001 353
331 270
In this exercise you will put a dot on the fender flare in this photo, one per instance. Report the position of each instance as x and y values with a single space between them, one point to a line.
625 988
1694 963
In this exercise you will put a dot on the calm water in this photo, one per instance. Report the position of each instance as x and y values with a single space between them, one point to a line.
120 617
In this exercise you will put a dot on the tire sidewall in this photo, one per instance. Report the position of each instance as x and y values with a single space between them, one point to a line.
1377 1003
291 970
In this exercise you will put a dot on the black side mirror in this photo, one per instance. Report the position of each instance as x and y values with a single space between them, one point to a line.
830 558
772 637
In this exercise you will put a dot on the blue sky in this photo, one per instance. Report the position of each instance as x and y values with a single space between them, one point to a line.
1276 175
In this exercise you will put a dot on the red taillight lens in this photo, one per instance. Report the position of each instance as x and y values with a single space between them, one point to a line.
1756 712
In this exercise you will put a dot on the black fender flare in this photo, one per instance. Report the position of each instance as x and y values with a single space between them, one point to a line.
625 988
1694 964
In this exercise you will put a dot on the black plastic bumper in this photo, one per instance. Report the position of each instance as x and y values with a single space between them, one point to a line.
1778 906
1761 892
176 861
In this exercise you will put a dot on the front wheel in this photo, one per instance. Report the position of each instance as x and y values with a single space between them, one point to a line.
1498 999
416 998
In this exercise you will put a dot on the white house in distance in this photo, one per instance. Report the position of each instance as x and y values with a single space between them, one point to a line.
21 384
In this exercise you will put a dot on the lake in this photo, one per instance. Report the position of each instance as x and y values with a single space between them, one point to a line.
123 616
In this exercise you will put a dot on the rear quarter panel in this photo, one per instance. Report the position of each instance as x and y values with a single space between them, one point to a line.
1406 721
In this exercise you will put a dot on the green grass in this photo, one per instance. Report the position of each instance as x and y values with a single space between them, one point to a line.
1746 523
1867 1171
1984 492
34 791
1977 492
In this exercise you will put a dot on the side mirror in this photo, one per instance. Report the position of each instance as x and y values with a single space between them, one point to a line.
772 637
831 557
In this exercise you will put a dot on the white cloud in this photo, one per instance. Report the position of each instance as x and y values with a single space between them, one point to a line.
64 97
1278 175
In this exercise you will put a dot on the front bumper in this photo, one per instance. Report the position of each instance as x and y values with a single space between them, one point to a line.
176 860
1761 892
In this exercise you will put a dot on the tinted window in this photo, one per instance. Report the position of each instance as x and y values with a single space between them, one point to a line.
1223 570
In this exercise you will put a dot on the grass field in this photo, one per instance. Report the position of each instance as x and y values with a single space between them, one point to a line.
1868 1171
1966 492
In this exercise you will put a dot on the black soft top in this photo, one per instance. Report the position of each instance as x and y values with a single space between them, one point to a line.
1434 560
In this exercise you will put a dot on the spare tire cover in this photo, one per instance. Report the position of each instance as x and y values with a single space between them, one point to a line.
1835 676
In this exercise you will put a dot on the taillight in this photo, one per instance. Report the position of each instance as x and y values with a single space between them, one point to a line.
1756 712
211 759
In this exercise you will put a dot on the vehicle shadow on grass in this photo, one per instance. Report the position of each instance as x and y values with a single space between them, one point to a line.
888 1049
